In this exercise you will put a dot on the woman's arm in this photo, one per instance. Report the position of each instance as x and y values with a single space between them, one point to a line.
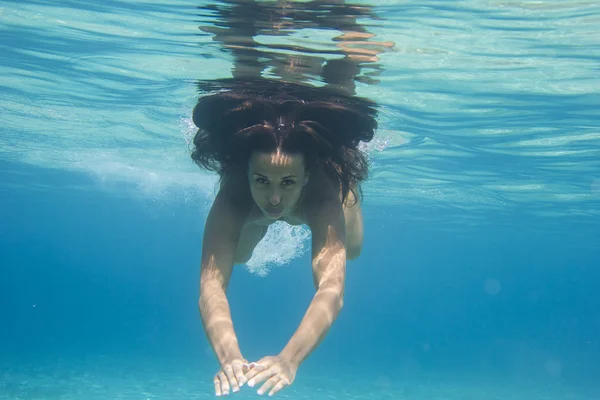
325 217
329 272
223 226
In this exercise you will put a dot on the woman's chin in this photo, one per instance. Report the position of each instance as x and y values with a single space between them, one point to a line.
273 215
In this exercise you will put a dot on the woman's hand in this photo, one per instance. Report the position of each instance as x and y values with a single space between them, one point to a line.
277 371
231 376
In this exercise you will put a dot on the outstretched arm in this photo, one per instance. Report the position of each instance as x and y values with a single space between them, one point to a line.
329 271
221 234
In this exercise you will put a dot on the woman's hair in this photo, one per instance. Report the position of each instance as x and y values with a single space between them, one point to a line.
265 116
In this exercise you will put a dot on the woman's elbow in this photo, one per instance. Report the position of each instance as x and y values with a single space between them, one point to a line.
340 302
353 251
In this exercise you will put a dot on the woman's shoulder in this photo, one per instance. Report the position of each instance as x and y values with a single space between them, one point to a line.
323 189
320 189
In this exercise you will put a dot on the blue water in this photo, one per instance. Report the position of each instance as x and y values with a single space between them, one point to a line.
480 273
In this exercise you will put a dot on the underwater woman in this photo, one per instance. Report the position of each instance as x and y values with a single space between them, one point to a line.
284 152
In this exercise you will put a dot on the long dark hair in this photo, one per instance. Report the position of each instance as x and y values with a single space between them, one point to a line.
324 126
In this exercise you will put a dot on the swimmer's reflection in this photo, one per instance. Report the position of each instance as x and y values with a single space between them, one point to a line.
244 28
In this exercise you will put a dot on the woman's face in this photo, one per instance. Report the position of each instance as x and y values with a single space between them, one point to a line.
276 180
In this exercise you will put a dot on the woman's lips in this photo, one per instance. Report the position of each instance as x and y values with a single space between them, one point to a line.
273 211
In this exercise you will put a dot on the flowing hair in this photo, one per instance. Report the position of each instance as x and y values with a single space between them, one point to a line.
324 126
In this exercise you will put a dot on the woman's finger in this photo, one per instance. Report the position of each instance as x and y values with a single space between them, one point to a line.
224 383
280 385
231 378
270 383
217 383
245 367
261 376
255 369
238 371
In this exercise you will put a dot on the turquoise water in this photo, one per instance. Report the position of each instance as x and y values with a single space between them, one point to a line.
480 272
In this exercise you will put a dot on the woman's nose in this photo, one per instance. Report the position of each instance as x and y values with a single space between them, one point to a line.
274 199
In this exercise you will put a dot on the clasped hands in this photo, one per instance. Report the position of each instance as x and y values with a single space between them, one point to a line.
276 372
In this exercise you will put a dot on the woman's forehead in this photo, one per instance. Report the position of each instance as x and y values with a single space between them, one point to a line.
276 160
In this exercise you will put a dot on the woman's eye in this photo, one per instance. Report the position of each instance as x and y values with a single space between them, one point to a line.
288 182
262 181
